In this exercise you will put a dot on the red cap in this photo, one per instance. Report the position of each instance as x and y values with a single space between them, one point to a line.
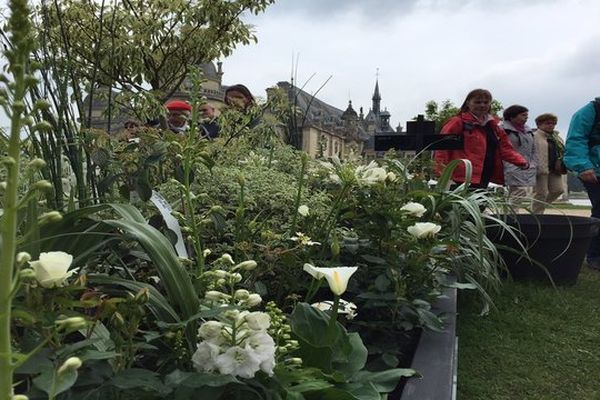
177 105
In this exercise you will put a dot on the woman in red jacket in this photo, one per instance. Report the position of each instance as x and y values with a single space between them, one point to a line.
486 145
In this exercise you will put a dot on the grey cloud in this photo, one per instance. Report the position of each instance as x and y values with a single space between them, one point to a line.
585 61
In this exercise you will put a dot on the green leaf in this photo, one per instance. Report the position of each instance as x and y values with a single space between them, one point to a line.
384 381
157 304
382 283
373 259
137 378
52 383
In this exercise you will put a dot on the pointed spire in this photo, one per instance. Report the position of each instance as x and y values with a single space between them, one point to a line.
376 98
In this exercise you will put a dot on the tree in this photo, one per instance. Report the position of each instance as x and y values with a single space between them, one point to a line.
141 47
441 113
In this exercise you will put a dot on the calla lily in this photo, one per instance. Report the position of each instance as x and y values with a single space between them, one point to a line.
337 278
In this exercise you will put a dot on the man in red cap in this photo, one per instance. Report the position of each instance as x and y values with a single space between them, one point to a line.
178 117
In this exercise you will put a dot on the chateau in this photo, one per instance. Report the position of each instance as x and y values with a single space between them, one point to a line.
316 127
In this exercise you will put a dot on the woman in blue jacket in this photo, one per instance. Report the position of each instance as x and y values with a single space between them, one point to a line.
582 155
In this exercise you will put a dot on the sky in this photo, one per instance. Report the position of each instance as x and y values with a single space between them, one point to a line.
542 54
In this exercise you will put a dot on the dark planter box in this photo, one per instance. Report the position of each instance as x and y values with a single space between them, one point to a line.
556 245
435 359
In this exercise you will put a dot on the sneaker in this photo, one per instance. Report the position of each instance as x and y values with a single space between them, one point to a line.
593 263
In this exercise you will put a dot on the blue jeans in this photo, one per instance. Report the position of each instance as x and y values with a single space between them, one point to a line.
593 191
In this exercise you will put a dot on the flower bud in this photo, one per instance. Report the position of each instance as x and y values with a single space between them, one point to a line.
241 294
37 163
236 277
241 180
71 324
206 252
41 105
219 273
52 216
43 126
19 397
226 257
232 314
294 361
8 161
253 300
246 265
23 257
42 185
117 319
71 364
27 273
213 295
143 296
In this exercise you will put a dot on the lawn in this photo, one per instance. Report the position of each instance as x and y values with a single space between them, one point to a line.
540 343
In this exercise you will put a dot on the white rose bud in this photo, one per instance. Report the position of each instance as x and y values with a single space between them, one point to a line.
236 277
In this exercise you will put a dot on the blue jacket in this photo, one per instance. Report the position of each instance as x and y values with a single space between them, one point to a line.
579 156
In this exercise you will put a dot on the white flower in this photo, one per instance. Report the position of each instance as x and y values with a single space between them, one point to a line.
52 268
206 252
346 307
264 349
205 357
391 177
337 278
258 321
422 230
303 210
71 364
311 269
214 295
238 361
253 300
370 174
414 209
210 329
248 265
303 240
241 294
227 259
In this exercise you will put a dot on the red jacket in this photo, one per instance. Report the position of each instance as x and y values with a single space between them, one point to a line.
475 142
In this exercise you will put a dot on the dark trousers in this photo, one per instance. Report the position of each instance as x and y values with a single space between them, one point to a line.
593 191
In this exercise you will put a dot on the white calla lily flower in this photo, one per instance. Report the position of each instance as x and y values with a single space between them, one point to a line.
337 278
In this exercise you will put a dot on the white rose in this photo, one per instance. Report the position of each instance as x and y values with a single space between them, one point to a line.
52 268
303 210
414 209
422 230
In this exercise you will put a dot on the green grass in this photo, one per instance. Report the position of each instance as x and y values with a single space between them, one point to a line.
540 343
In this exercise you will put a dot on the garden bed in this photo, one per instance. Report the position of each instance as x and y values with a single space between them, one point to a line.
435 359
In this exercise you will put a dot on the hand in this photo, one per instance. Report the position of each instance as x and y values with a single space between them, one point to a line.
588 176
524 166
